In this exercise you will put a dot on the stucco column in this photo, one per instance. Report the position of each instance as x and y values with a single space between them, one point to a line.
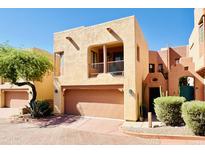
105 59
204 89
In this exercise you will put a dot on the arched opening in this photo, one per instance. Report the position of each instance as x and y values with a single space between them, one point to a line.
186 87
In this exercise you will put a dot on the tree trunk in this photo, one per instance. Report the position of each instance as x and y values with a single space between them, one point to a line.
34 93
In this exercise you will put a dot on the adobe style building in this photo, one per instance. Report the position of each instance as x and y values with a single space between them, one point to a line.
12 96
107 71
99 69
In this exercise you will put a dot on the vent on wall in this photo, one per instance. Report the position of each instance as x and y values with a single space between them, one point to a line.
186 68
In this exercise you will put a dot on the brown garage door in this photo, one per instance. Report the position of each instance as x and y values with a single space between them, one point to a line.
16 99
97 103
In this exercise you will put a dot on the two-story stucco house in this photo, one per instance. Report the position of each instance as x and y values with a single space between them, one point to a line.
107 71
99 70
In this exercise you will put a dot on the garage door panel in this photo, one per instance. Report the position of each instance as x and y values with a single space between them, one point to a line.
16 99
98 103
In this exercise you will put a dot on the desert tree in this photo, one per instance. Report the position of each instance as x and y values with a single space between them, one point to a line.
21 67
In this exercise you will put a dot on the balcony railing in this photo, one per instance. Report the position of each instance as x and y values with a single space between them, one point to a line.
113 67
95 68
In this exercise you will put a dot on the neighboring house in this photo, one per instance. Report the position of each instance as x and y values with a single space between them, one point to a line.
99 70
167 69
107 71
179 70
12 96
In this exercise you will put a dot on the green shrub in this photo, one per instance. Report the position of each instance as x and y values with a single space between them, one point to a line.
41 109
193 113
168 110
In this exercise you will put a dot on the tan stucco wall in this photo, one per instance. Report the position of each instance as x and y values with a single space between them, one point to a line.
76 60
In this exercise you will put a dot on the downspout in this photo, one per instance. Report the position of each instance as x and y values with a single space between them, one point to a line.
203 48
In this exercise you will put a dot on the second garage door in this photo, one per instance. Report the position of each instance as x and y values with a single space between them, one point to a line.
97 103
16 99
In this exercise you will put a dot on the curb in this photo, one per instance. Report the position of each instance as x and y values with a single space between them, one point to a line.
162 136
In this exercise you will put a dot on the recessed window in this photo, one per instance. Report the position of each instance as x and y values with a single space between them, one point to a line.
59 63
186 68
106 58
177 61
138 53
151 68
160 68
154 79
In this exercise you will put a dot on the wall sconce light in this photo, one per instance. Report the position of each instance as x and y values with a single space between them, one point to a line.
131 92
56 91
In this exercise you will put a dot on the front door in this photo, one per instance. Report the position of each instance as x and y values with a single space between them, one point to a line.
153 93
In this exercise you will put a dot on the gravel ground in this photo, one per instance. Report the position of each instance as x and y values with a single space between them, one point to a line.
164 130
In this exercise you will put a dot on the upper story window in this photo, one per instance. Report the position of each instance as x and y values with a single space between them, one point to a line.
59 63
160 68
151 68
177 61
201 33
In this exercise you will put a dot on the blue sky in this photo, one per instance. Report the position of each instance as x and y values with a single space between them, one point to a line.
35 27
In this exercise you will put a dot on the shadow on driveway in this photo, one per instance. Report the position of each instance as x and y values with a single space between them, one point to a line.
54 121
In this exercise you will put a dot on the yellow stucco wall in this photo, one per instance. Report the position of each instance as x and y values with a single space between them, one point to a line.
76 61
44 88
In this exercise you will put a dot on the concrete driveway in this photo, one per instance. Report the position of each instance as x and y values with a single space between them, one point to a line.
8 112
80 131
72 130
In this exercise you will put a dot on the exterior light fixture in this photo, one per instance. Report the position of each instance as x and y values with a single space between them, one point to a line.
131 92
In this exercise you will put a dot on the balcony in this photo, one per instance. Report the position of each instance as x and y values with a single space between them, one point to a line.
106 58
113 67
